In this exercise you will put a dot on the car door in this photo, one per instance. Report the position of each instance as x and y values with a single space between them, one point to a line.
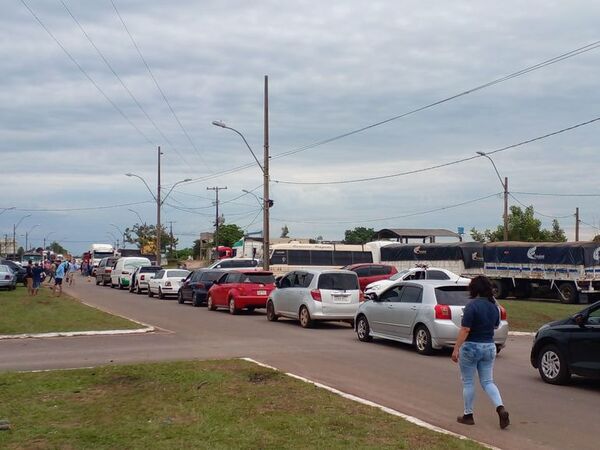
285 292
364 276
407 310
381 311
584 345
154 282
186 286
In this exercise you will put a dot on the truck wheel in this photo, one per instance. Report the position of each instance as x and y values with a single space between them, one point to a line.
567 293
499 289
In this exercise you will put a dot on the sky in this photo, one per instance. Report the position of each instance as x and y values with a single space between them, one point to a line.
78 114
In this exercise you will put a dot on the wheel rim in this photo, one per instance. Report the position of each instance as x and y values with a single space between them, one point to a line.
209 302
304 316
231 305
550 364
270 312
421 339
361 328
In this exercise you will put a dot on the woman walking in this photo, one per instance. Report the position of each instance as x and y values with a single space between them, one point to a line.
475 350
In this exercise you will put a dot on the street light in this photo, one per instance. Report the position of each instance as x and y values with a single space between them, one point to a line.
15 232
120 231
7 209
159 202
266 202
137 214
46 237
115 239
505 188
27 236
261 204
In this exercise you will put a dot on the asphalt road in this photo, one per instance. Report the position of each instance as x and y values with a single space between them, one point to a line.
391 374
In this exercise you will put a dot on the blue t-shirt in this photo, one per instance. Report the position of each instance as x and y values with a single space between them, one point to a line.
60 271
37 273
482 317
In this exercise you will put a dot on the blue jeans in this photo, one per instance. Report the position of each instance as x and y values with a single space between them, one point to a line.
478 356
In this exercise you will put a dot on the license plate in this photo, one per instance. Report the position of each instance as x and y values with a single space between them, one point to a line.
341 298
261 292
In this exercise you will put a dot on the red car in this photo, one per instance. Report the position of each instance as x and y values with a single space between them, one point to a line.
368 273
243 289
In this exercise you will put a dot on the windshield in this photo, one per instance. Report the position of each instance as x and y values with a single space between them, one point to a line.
5 269
134 264
100 255
399 275
452 295
338 281
211 276
177 273
150 269
258 278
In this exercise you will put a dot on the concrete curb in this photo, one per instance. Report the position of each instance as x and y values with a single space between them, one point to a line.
411 419
521 333
147 329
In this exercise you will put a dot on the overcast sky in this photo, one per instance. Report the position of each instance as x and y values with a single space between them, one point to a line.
333 67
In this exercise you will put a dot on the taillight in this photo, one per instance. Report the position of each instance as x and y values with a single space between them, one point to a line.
108 270
443 312
142 277
503 314
7 277
316 295
125 272
200 286
361 296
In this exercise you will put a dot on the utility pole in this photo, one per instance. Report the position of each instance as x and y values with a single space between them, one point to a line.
506 208
576 224
216 189
170 222
266 200
158 204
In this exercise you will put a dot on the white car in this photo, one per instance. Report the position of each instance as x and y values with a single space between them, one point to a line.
166 282
310 295
416 273
124 267
237 263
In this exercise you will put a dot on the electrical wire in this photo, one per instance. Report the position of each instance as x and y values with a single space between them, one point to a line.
438 166
570 54
537 212
162 93
87 75
89 208
381 219
555 195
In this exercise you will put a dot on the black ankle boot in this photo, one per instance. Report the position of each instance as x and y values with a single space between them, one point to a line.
503 417
466 419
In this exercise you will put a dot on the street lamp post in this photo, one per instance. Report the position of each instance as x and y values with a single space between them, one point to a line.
505 188
15 226
137 214
46 237
115 239
27 233
159 202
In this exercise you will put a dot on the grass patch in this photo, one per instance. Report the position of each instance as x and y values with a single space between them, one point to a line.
208 404
20 313
530 315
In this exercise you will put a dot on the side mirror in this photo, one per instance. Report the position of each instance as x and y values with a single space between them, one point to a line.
580 320
372 296
183 280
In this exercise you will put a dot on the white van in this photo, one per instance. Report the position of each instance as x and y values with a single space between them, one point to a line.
124 268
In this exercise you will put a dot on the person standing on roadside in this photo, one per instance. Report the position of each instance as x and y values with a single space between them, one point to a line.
73 268
475 350
29 277
59 274
37 272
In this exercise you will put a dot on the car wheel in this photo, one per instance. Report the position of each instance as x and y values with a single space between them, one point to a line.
196 301
499 348
567 293
423 340
160 293
121 286
150 294
180 298
304 316
105 283
271 316
97 282
112 286
209 304
137 288
363 331
232 309
553 366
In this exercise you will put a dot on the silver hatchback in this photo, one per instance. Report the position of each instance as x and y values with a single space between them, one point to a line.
426 314
309 295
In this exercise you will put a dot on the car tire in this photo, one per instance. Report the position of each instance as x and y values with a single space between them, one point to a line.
150 294
271 316
304 317
553 366
232 308
104 282
499 348
423 340
160 293
210 305
121 286
196 301
180 299
112 286
567 293
97 282
137 288
363 330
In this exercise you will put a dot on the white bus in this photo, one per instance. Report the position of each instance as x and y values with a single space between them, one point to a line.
288 257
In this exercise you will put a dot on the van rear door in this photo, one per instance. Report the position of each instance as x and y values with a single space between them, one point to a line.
340 293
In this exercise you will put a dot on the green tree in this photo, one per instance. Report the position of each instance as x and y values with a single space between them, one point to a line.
359 235
144 236
285 231
229 234
522 226
596 238
57 248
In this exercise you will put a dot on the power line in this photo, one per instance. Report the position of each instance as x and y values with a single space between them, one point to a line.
162 93
537 212
83 71
570 54
438 166
381 219
555 195
90 208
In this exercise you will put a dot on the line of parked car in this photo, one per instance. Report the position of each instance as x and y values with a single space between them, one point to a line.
421 307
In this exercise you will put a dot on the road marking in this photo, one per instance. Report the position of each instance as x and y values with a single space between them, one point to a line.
411 419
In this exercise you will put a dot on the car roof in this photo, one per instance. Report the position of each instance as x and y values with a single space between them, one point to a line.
432 283
249 272
320 271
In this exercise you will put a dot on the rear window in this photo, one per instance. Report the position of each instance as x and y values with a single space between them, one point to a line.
211 276
150 269
338 281
177 273
258 278
452 295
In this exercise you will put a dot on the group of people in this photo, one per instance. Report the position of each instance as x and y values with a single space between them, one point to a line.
50 270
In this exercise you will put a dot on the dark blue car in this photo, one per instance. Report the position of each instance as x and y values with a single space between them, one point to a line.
197 284
568 347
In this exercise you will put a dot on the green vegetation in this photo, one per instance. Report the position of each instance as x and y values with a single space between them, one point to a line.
359 235
530 315
209 404
45 313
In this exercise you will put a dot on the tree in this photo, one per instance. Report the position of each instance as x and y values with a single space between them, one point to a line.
359 235
596 238
522 226
285 231
144 236
229 234
57 248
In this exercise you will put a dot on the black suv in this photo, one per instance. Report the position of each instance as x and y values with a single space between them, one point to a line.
195 287
569 346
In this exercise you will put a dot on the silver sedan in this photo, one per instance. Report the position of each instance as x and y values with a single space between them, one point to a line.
8 279
426 314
